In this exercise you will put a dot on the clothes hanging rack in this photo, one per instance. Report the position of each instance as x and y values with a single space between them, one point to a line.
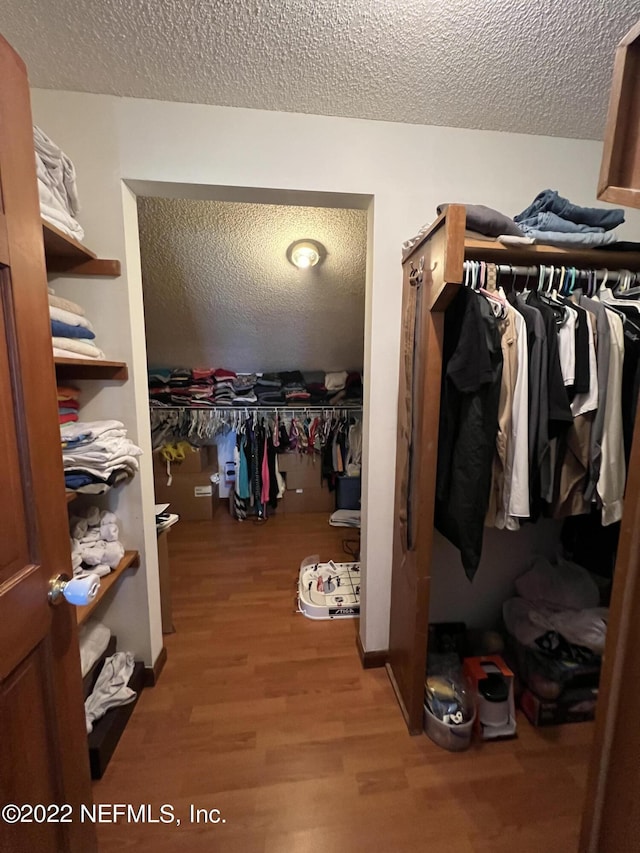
250 409
608 275
548 277
203 423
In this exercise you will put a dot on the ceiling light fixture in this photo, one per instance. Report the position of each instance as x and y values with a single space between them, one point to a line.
305 253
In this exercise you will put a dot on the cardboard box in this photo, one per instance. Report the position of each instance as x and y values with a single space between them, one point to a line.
476 670
301 470
574 706
307 500
196 461
191 496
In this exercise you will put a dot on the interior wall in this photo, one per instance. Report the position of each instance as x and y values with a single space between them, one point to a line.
406 169
220 291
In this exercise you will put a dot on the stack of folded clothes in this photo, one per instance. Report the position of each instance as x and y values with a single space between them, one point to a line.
243 386
68 404
159 391
293 386
56 185
72 333
97 456
268 389
315 384
555 220
223 389
95 544
343 388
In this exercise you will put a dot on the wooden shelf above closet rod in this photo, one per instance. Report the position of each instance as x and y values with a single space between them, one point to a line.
65 255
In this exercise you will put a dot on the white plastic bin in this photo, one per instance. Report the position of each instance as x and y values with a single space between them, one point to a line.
453 738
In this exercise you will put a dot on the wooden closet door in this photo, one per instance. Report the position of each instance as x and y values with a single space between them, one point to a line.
43 748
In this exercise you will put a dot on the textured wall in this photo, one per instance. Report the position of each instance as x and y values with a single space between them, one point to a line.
219 290
540 67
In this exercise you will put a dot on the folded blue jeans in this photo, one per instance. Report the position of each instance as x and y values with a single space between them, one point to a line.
547 221
583 239
550 201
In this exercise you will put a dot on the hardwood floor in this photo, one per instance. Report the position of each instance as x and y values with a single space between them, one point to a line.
270 718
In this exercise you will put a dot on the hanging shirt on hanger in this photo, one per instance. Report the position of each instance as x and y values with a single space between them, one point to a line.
472 369
611 481
603 335
567 346
503 457
518 491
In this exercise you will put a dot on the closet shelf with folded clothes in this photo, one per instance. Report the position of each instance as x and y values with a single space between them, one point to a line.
220 387
64 254
130 560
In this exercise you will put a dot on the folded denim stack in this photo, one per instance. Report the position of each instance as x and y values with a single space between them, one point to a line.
97 456
72 334
95 544
68 404
555 220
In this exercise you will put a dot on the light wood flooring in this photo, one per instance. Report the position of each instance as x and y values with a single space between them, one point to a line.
269 718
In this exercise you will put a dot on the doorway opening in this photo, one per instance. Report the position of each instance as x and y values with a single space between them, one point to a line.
254 304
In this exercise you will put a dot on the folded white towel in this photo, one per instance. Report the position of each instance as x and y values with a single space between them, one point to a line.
58 352
78 348
69 318
57 170
65 304
56 185
93 428
53 212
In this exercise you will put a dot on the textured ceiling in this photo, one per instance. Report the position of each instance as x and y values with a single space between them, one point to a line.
537 67
219 290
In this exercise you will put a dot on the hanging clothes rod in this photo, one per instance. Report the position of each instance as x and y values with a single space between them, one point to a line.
511 269
292 410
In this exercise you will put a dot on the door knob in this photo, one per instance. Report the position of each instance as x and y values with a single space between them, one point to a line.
78 591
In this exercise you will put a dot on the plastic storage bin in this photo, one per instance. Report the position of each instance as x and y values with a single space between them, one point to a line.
453 738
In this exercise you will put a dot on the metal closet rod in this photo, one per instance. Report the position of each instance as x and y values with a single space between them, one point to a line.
236 409
510 269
